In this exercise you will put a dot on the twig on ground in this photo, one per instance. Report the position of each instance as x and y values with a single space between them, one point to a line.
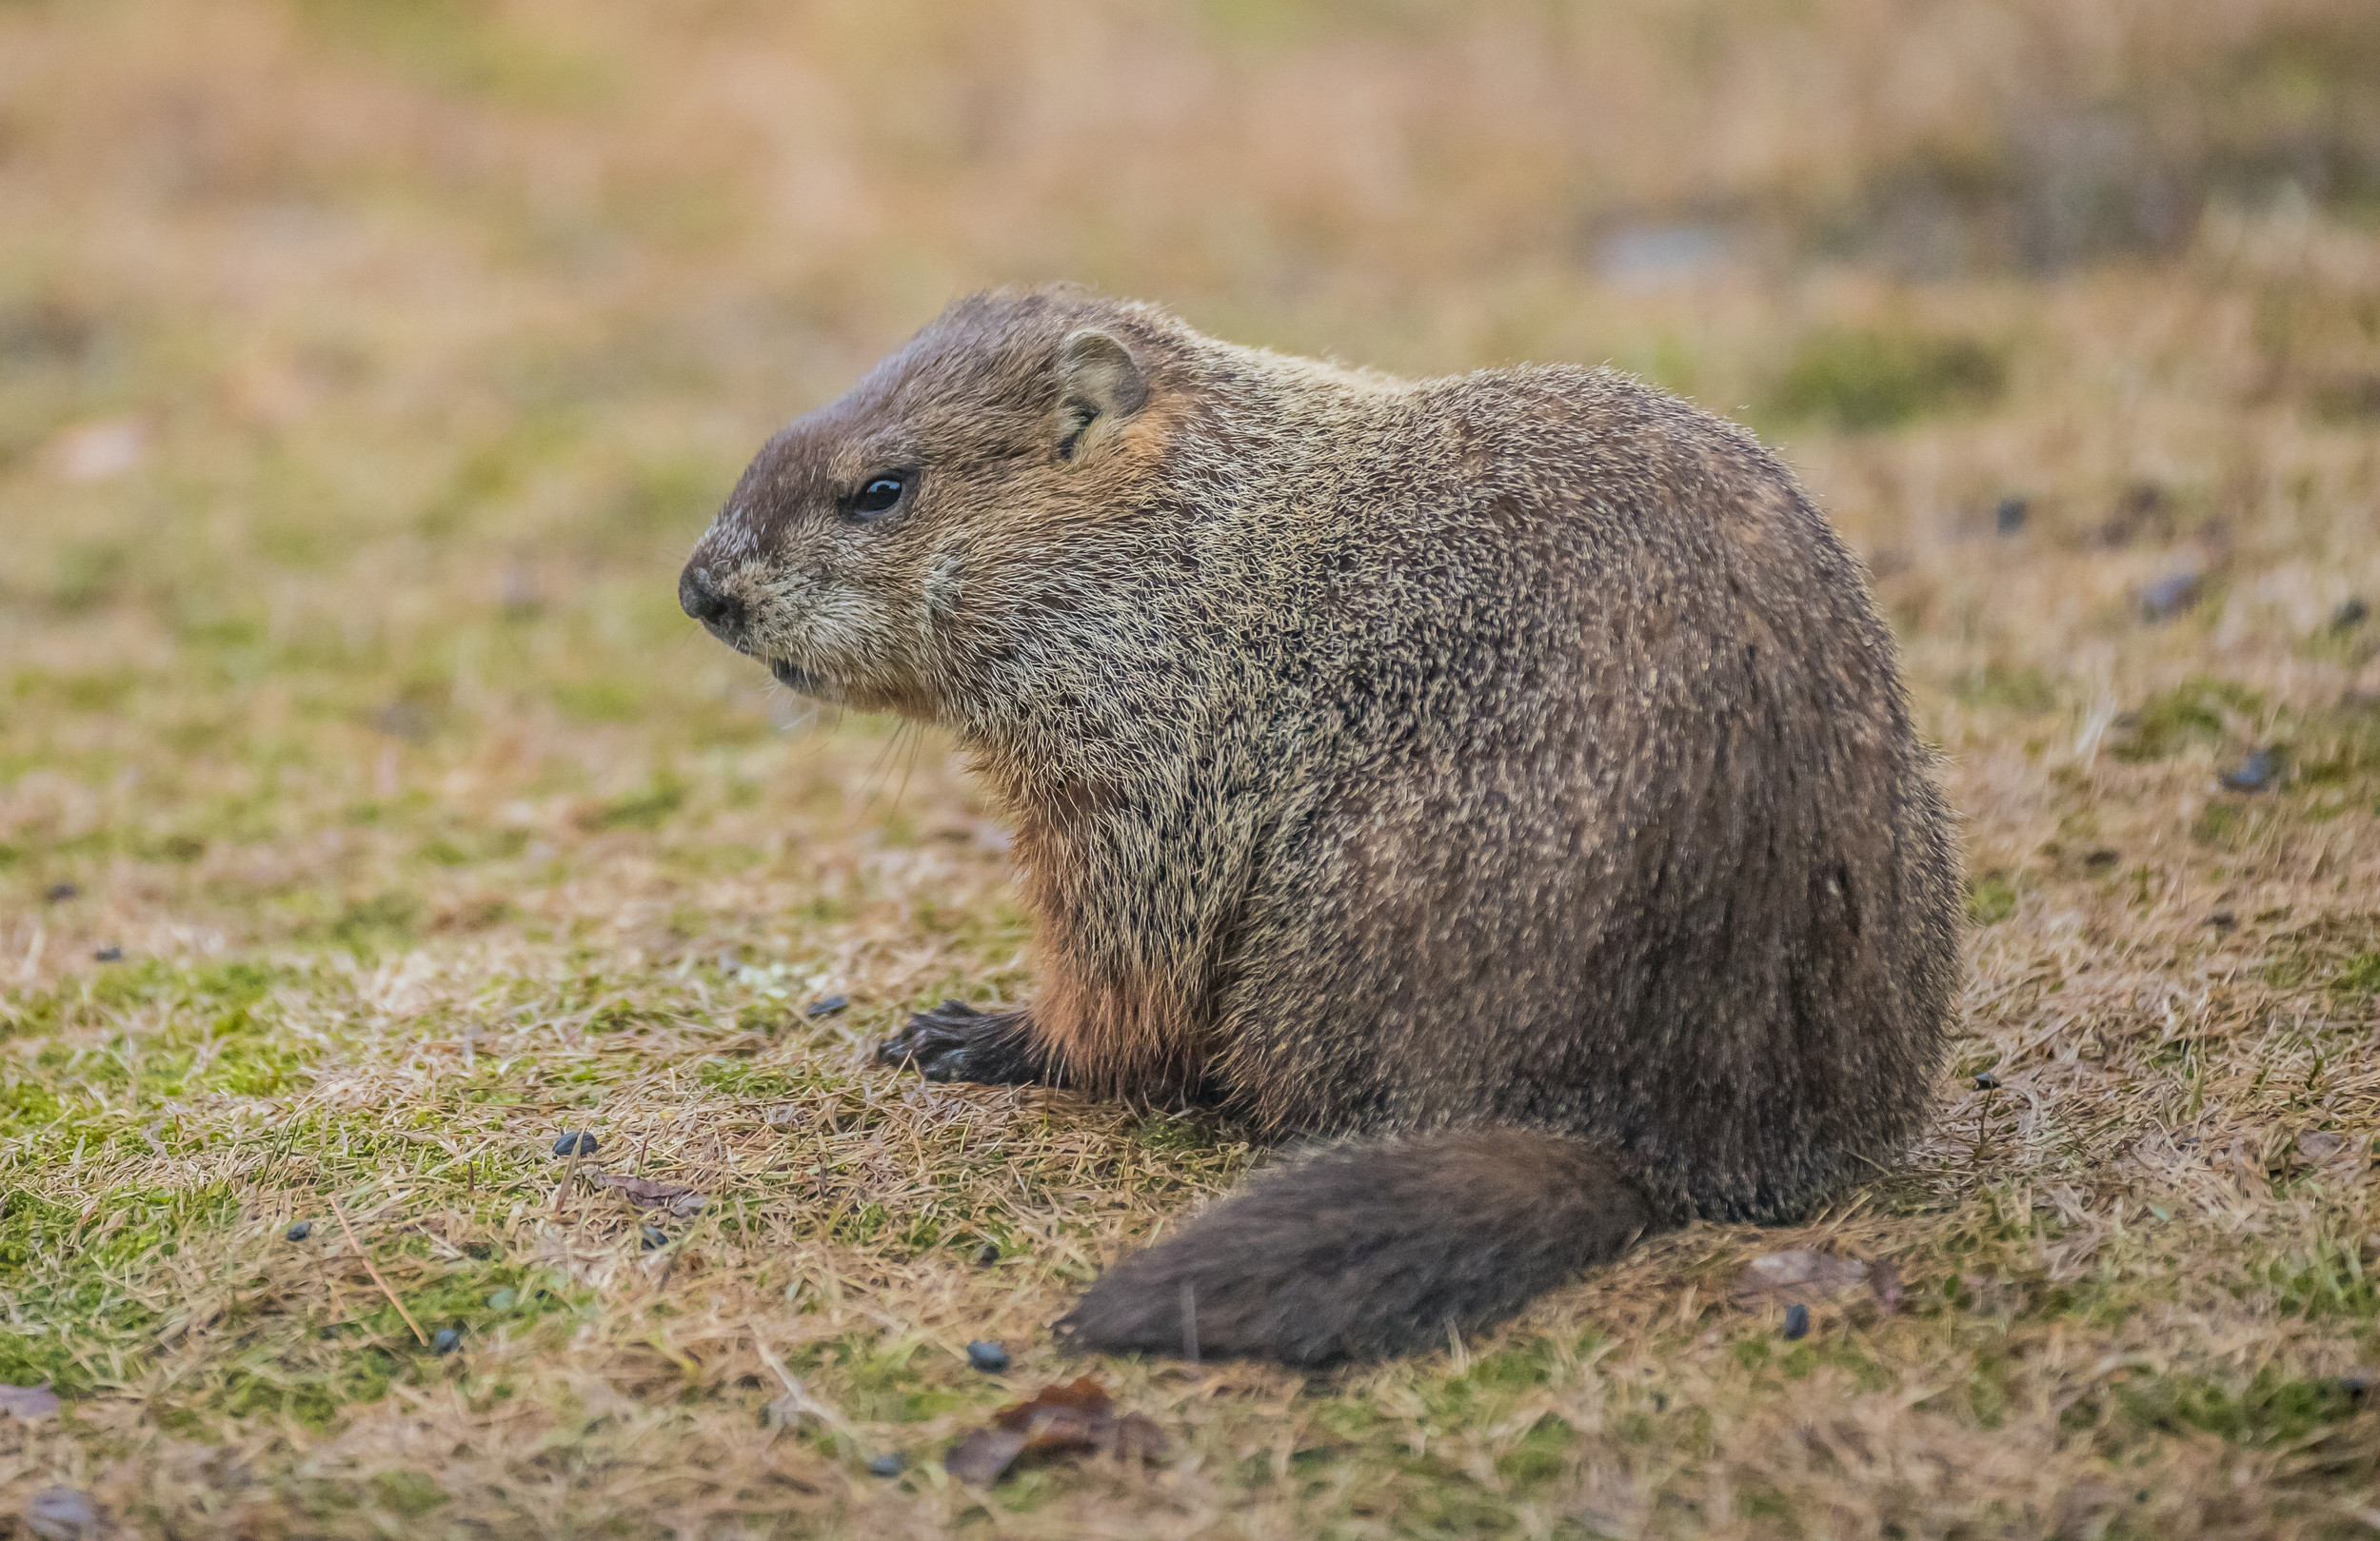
570 1173
373 1269
797 1401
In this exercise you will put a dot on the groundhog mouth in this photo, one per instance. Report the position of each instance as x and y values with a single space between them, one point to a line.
793 676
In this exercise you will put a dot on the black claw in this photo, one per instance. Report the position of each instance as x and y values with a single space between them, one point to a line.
955 1043
932 1040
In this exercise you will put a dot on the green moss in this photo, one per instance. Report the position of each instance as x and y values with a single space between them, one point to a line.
369 926
2337 747
1861 379
737 1078
25 1105
229 995
74 1278
310 1371
2028 690
721 860
1991 899
101 690
2327 1282
671 496
888 1383
467 848
31 1227
601 700
2216 824
255 1069
649 808
2272 1408
1179 1133
2200 710
87 574
409 1494
494 472
309 1390
1504 1371
1444 1500
1545 1452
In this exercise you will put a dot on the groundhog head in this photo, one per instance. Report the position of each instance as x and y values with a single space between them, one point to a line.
902 548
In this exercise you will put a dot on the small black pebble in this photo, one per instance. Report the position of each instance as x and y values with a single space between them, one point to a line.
1987 1083
107 955
987 1356
655 1237
446 1340
2101 859
1796 1323
826 1007
2256 773
2357 1387
60 892
2169 596
886 1466
577 1143
987 1255
300 1231
2009 516
2223 920
2349 615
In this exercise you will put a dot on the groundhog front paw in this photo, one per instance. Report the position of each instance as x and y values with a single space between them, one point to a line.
955 1043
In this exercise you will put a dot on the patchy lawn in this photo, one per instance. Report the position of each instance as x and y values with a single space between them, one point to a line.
371 820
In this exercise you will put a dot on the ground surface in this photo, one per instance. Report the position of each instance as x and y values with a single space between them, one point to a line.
370 817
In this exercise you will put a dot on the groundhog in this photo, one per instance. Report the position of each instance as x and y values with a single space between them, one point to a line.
1502 783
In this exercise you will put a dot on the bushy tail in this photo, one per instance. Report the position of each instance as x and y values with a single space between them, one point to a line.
1371 1248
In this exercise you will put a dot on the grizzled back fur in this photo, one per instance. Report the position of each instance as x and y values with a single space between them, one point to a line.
1520 751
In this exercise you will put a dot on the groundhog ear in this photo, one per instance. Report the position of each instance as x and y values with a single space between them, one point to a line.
1098 384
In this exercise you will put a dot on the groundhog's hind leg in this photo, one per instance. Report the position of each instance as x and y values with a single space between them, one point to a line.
955 1043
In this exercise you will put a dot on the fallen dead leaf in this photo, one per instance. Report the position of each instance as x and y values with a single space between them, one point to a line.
1077 1419
644 1193
2338 1156
2318 1147
981 1455
28 1401
1802 1276
1884 1281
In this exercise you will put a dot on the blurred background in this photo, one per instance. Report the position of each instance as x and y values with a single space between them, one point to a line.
366 367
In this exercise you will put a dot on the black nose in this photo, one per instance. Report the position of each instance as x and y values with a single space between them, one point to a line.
700 597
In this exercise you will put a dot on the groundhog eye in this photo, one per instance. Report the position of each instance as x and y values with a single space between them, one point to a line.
877 494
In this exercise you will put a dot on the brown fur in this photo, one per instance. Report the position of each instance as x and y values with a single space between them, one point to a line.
1507 776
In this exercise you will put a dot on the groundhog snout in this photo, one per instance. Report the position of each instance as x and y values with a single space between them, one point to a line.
700 597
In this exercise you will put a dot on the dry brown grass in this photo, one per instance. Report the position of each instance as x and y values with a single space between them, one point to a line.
365 367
